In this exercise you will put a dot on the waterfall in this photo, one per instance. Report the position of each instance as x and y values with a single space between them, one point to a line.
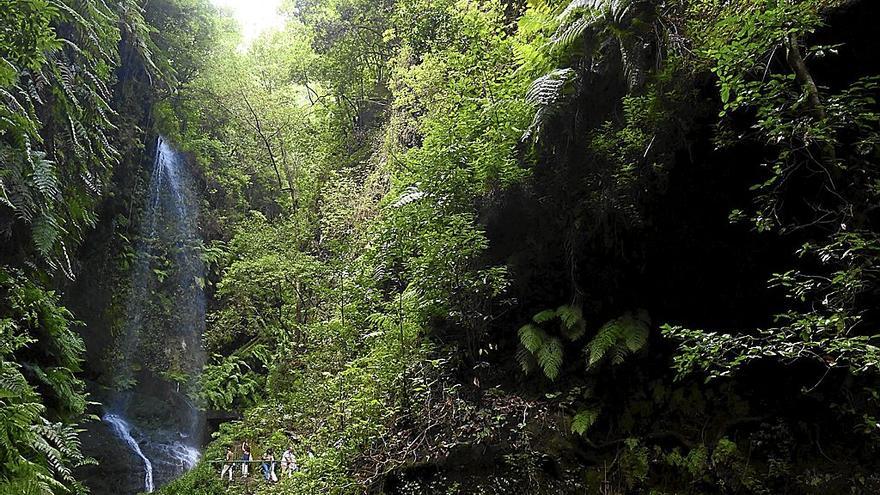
164 320
122 429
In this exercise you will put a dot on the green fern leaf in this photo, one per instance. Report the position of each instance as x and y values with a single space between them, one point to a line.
549 94
526 360
44 175
573 324
550 88
584 419
544 316
619 338
45 232
617 354
604 340
571 31
636 338
581 5
570 315
531 337
549 357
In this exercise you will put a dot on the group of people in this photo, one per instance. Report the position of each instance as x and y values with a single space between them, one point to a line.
267 463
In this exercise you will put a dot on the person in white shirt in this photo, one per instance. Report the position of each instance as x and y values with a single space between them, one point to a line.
227 466
288 463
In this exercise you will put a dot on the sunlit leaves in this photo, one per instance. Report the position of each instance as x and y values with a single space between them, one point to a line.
549 94
619 337
229 381
584 419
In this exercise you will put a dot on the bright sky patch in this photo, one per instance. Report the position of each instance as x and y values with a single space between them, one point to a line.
254 16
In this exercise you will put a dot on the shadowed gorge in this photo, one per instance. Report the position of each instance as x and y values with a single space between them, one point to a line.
439 247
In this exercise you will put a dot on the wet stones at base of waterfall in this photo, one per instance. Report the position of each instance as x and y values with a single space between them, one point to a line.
156 414
119 470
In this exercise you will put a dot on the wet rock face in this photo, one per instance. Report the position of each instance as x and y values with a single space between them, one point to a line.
151 432
119 471
157 404
156 413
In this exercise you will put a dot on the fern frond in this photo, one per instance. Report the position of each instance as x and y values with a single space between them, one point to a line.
549 89
570 32
410 195
570 315
44 176
578 5
548 93
382 321
531 337
619 11
525 359
549 357
636 337
619 337
12 382
573 324
44 232
544 316
584 419
604 340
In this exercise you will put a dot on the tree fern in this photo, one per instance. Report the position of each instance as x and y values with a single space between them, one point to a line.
578 17
576 5
548 94
592 33
609 12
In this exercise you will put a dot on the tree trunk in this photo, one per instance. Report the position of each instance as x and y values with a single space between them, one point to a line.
797 64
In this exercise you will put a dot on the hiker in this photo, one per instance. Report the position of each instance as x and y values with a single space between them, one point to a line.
269 467
227 467
246 457
288 463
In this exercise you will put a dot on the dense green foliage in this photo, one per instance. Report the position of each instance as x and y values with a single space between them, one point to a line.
56 117
39 392
597 246
68 71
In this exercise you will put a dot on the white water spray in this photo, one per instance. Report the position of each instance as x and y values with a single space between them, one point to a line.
180 455
123 430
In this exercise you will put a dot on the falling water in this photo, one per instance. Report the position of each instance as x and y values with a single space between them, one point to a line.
122 429
167 267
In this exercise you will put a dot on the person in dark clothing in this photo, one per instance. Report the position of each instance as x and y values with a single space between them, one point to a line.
246 457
